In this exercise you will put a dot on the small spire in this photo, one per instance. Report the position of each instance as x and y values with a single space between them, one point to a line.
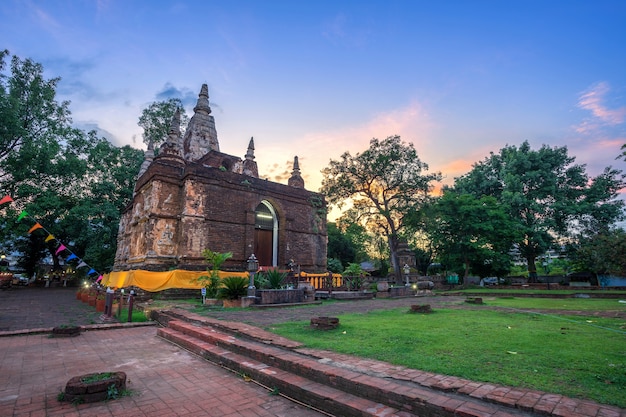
203 100
175 123
250 153
296 166
296 179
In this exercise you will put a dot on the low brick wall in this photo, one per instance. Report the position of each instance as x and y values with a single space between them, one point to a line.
280 296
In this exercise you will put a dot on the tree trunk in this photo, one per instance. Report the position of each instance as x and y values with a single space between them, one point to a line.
532 269
465 272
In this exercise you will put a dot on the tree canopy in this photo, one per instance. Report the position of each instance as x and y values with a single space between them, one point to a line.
549 197
471 234
72 182
383 183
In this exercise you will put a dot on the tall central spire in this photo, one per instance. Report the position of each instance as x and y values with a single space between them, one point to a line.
200 136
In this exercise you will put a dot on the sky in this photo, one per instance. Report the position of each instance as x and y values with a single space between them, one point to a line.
458 79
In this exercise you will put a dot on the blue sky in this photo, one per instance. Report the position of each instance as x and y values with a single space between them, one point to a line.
459 79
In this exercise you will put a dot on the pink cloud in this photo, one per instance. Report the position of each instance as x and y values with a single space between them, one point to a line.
594 100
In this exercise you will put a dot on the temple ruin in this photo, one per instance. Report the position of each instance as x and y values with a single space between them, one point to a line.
189 196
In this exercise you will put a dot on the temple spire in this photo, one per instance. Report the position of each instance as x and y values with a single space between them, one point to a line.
249 165
203 101
200 136
296 179
172 147
250 153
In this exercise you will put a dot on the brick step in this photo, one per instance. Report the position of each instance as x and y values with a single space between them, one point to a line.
314 394
221 347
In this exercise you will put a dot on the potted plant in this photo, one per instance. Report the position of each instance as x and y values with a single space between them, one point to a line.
100 302
232 289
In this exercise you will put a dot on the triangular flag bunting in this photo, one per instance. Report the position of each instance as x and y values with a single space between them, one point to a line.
49 238
81 264
22 215
99 278
60 249
35 227
91 271
72 256
6 199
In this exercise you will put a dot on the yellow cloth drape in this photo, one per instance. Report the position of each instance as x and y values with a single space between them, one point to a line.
159 281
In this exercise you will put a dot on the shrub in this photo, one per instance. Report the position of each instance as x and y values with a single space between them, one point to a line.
273 279
233 288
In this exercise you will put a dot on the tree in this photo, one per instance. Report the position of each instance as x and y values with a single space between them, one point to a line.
74 183
603 253
548 196
384 183
471 234
339 245
156 118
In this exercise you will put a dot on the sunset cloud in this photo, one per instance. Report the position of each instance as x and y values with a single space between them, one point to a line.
594 100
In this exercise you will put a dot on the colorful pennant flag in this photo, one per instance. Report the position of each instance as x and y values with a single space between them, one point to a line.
35 227
60 249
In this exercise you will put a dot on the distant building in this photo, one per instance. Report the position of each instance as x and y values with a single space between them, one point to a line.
190 197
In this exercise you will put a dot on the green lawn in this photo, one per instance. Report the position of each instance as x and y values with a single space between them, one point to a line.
583 357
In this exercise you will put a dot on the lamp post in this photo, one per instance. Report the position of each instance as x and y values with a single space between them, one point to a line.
253 266
407 270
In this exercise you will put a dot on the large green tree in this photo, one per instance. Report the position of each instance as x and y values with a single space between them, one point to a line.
73 183
471 234
383 183
549 197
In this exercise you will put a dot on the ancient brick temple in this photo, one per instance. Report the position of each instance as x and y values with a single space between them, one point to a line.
191 197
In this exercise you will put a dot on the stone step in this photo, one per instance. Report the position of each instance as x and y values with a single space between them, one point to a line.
316 395
279 367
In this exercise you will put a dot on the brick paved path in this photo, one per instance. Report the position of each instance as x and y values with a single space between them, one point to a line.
164 379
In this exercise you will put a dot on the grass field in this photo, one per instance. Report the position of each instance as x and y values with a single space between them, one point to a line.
577 356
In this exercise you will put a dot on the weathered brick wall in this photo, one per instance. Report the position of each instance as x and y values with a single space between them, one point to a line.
177 213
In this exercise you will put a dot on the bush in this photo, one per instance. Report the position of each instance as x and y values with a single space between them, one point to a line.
273 279
233 288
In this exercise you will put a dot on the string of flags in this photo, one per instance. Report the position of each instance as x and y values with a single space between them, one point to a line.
61 250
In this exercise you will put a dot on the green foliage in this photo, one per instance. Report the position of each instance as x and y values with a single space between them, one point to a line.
212 282
471 234
97 377
233 288
216 259
602 253
273 279
334 265
74 183
354 276
340 247
157 118
546 195
384 183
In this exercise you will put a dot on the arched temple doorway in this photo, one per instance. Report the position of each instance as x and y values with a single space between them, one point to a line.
266 234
